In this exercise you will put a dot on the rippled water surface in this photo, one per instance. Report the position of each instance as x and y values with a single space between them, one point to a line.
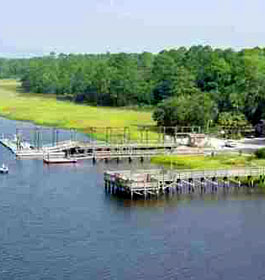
58 223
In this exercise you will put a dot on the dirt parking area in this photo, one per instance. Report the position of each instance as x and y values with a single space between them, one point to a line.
246 145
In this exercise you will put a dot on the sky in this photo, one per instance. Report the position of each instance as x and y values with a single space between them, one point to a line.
37 27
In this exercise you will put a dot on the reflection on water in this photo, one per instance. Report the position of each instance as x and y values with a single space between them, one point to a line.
231 193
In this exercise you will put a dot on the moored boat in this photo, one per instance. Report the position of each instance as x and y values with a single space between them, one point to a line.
59 160
3 169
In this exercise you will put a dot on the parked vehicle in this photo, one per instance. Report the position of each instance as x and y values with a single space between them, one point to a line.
230 144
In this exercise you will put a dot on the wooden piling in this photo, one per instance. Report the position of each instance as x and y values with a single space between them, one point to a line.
151 183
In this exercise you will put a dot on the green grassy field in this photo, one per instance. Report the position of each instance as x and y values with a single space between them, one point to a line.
224 161
46 110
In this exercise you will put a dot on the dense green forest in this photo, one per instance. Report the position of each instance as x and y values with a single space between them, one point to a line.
197 85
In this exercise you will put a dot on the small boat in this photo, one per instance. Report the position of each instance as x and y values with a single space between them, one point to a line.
59 160
3 169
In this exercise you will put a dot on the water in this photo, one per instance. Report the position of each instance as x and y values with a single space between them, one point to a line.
58 223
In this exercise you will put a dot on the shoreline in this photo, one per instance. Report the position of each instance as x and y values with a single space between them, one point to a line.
191 162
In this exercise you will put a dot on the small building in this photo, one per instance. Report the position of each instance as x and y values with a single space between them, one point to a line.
197 140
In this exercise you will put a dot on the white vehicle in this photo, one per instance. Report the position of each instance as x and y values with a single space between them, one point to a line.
230 144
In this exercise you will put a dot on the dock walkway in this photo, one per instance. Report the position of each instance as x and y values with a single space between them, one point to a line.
97 150
9 144
157 181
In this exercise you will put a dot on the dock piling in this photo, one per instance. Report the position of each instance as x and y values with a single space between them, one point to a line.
151 183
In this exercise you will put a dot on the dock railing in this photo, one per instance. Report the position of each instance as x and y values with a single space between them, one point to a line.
186 174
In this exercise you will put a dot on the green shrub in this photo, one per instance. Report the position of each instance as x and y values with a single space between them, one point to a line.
260 153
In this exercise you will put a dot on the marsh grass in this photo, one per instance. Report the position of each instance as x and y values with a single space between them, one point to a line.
224 161
45 109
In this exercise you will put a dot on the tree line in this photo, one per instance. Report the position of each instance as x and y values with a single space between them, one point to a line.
187 86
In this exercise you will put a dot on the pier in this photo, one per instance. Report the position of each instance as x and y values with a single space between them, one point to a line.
155 182
98 151
30 144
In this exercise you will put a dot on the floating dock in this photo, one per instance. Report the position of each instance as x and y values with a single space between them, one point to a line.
97 150
148 183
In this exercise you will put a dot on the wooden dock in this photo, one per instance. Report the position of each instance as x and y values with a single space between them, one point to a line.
98 150
148 183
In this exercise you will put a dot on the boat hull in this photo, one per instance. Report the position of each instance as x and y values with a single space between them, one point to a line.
59 160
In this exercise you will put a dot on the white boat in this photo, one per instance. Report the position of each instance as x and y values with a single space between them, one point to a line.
3 169
57 158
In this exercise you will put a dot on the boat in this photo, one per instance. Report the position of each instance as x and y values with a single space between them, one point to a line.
3 169
59 160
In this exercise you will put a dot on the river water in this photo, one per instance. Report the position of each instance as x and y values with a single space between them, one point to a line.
57 222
